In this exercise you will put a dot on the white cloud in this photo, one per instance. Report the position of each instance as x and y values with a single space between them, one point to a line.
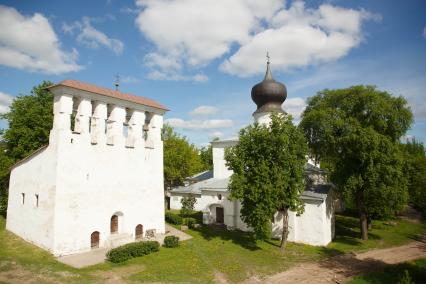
173 76
129 80
30 43
199 124
295 107
202 31
300 37
128 10
91 37
5 101
204 110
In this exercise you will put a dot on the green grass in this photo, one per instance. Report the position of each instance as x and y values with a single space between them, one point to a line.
212 251
393 273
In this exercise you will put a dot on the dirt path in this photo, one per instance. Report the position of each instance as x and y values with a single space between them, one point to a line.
340 269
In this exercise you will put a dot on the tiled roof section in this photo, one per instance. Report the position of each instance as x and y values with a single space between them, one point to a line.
110 93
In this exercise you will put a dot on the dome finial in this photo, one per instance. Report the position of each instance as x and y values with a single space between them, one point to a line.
268 75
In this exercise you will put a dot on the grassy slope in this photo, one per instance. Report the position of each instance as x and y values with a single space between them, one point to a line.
234 254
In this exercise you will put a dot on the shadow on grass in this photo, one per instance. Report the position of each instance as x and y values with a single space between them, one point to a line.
243 239
347 231
393 273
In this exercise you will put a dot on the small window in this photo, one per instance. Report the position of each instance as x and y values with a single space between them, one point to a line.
219 196
23 198
36 200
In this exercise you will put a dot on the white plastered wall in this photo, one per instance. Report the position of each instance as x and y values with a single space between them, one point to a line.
33 223
84 178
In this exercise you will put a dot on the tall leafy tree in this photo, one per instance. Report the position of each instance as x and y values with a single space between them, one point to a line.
268 165
30 119
181 158
415 169
356 132
206 155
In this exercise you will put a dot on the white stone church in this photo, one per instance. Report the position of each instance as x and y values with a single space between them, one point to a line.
98 183
315 226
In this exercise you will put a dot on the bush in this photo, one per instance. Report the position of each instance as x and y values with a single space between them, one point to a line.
188 204
190 222
128 251
171 242
173 218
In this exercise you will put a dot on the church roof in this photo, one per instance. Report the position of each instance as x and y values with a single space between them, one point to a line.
201 176
269 94
315 192
109 93
212 184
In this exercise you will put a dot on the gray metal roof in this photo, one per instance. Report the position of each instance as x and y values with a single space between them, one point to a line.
212 184
201 176
318 191
315 192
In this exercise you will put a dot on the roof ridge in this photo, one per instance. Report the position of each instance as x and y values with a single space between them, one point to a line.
92 88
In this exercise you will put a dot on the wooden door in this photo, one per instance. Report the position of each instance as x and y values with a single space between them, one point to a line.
219 215
114 224
139 231
94 240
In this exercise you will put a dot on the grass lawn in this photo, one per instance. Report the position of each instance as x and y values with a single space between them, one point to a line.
393 274
212 253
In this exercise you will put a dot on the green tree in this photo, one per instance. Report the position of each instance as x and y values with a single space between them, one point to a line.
415 169
30 119
188 203
206 155
355 131
268 165
181 158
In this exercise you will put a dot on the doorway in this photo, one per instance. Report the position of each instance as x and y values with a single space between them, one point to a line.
219 215
114 224
94 240
139 231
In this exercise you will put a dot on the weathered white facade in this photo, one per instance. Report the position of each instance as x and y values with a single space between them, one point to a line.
94 185
315 226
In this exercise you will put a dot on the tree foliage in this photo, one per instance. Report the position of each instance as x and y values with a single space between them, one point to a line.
415 170
30 119
268 166
181 158
355 131
188 203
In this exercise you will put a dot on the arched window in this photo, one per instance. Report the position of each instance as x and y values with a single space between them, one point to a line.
139 232
94 240
219 196
114 224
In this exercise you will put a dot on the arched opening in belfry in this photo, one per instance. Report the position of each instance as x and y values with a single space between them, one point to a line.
139 232
94 240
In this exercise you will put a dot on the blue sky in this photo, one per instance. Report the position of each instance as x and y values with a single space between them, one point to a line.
200 58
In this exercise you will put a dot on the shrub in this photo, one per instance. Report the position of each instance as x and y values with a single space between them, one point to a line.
171 242
188 204
173 218
190 222
125 252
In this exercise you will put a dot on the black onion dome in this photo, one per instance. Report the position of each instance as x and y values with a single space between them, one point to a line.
269 94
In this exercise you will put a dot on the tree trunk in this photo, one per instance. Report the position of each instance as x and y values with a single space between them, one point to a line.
285 228
362 215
